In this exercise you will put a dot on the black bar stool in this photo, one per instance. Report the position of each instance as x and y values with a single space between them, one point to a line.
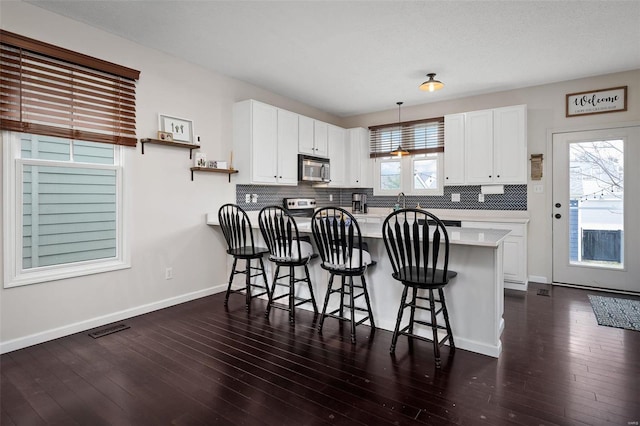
414 239
237 231
343 253
286 249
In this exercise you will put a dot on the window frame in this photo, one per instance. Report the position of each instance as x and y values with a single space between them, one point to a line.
14 273
406 175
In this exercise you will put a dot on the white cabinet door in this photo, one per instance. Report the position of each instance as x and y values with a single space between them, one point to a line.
515 251
305 135
337 155
454 162
320 138
287 148
264 143
479 147
359 164
510 145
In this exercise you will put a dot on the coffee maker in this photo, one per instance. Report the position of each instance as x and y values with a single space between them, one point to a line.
358 202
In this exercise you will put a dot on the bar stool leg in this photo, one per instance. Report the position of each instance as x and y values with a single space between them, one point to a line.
342 284
326 303
414 300
366 298
313 299
292 301
264 277
394 339
233 271
452 345
434 328
352 307
247 282
273 291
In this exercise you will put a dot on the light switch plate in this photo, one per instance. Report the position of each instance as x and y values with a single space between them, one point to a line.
455 198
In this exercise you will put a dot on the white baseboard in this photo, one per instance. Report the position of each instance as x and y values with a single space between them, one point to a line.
55 333
539 279
516 286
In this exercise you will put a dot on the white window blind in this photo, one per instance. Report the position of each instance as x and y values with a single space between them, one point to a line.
418 137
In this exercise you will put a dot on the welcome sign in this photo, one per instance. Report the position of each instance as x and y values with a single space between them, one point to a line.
597 101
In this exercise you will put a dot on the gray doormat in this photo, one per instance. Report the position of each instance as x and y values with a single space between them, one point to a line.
615 312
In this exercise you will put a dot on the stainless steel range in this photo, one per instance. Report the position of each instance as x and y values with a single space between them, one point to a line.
300 207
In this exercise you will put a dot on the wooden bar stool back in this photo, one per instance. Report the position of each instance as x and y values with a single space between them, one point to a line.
343 253
238 234
286 249
418 247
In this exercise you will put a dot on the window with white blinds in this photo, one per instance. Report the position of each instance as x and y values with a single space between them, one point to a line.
418 137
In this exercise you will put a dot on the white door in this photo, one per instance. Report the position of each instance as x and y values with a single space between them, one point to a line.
596 200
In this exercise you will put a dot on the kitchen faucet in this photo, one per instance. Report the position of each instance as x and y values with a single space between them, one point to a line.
404 201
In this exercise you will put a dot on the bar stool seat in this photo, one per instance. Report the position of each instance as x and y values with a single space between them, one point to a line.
288 250
414 240
238 234
343 253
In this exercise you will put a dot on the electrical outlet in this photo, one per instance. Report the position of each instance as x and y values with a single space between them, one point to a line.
538 188
481 197
168 274
455 198
330 197
254 198
247 198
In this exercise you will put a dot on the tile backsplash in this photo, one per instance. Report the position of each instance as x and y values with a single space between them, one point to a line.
514 197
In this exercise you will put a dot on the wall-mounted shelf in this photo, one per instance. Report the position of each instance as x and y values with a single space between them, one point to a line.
211 170
188 146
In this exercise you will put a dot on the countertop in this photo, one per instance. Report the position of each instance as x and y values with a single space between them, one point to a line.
461 236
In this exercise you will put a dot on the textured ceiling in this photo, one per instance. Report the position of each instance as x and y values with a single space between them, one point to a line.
354 57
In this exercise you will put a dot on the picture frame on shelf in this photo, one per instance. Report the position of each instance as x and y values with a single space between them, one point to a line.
181 129
165 136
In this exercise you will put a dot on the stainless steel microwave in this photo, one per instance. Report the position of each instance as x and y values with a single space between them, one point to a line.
313 169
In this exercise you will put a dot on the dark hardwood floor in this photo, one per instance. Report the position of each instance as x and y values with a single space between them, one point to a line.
200 364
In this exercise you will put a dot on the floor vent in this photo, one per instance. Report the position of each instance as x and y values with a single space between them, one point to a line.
543 292
108 330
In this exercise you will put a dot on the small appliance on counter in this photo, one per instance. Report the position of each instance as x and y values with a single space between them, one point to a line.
299 207
359 202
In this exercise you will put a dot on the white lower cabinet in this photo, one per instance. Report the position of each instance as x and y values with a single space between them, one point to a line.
515 251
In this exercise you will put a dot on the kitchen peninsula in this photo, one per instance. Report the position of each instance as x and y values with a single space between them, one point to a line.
475 298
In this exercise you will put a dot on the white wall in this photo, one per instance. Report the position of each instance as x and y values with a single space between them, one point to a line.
546 113
168 220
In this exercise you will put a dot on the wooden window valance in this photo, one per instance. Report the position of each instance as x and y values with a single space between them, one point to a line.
48 90
418 137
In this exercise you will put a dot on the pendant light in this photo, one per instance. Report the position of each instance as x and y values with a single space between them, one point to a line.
399 151
432 84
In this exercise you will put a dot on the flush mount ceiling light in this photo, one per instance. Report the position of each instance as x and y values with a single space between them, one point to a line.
399 151
432 84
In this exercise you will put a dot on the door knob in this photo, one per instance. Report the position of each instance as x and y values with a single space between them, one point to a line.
558 205
558 215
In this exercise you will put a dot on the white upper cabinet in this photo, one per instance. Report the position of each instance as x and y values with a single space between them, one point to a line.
313 137
486 147
337 155
454 149
287 147
264 142
510 145
478 137
359 170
